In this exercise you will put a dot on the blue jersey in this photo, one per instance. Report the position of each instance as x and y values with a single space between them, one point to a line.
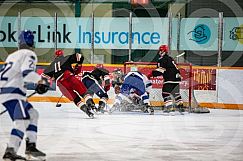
136 82
133 81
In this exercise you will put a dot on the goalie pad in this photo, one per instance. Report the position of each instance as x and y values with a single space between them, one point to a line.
200 110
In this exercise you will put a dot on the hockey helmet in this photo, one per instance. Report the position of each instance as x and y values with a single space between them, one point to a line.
117 71
99 66
26 37
164 48
59 53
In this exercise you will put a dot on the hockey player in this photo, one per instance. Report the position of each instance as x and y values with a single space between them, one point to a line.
117 78
93 82
62 72
20 68
135 84
171 87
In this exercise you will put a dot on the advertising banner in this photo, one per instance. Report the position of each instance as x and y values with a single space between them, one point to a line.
199 34
233 34
110 33
113 32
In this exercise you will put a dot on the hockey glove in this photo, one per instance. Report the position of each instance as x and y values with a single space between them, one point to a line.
77 69
42 87
158 72
107 87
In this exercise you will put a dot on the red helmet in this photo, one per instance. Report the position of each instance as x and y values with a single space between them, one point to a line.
59 53
164 48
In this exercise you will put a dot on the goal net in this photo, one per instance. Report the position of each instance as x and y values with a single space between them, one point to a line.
186 85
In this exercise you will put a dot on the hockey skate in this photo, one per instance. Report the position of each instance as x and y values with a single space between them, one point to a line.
150 110
101 107
32 153
180 108
170 111
147 109
144 108
87 110
90 103
10 155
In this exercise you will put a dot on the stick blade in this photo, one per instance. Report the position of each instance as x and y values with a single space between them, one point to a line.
58 105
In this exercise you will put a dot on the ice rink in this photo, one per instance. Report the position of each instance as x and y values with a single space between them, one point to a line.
66 134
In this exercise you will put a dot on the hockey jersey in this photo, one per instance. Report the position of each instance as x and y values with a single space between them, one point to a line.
171 73
147 83
62 64
99 73
19 68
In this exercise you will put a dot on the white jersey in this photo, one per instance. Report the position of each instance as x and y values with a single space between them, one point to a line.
19 68
148 83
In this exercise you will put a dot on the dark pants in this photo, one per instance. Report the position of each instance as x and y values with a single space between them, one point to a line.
170 92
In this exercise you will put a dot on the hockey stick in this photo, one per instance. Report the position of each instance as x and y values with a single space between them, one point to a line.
59 104
27 97
180 55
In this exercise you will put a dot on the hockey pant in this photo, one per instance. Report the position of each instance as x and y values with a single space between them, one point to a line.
25 119
93 86
170 92
72 88
135 84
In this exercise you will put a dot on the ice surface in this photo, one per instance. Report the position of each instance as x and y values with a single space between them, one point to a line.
67 134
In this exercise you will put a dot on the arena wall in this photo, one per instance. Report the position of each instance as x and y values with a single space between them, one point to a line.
223 92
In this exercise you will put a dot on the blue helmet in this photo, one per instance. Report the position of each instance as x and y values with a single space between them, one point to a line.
26 37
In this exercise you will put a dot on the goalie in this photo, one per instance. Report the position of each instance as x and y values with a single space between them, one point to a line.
171 87
134 88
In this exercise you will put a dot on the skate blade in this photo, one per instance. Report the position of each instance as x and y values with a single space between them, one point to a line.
91 117
181 113
167 114
12 160
151 113
32 158
172 113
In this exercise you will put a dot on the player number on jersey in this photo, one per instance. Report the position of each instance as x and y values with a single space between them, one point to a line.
4 70
57 66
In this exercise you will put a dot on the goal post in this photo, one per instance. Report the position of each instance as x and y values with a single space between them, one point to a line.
186 85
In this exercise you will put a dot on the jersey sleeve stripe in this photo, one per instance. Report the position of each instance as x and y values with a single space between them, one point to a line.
32 127
17 133
7 90
26 72
45 76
